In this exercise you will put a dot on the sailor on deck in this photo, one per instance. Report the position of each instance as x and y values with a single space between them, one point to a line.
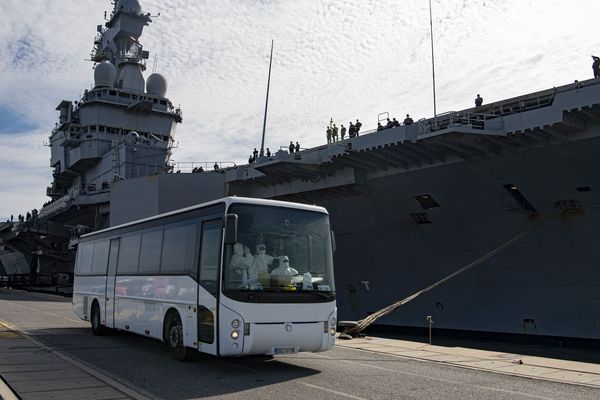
357 127
596 66
351 130
478 101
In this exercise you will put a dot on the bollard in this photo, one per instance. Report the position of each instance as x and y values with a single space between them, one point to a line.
430 324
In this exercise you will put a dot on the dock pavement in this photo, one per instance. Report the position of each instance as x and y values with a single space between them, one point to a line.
525 366
29 370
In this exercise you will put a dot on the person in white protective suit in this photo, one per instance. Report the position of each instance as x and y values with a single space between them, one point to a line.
261 262
239 265
284 268
248 257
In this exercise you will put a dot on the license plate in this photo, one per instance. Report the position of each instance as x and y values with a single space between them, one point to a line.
285 350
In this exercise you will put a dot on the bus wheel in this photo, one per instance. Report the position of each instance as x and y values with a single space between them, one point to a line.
175 338
97 327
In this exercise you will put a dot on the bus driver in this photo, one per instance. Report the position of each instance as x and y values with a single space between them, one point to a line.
284 268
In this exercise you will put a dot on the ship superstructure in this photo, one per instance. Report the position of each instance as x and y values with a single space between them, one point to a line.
122 127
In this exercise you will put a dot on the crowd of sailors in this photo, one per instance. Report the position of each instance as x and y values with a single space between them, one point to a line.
333 133
29 215
292 148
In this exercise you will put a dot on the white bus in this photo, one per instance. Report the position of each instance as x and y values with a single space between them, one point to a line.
232 277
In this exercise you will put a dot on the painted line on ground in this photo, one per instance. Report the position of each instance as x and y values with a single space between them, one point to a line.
6 392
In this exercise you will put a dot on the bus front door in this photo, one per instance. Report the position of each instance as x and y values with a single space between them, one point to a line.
210 252
110 284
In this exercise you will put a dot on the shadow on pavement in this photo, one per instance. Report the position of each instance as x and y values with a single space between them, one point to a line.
145 363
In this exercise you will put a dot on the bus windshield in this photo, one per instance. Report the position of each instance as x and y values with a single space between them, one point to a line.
282 250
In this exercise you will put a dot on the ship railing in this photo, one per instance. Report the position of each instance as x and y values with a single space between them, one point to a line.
187 167
140 170
453 119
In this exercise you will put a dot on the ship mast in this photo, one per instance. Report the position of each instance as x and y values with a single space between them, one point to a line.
262 144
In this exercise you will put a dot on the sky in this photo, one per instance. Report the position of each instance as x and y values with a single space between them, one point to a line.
337 60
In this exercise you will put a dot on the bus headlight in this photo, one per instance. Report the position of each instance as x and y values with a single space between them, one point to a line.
235 335
332 331
332 322
235 323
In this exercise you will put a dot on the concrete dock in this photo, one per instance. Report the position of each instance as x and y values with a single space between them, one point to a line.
32 371
544 368
47 353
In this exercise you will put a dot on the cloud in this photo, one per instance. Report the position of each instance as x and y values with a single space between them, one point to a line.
332 59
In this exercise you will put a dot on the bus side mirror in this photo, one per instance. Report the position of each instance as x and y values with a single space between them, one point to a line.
231 224
333 241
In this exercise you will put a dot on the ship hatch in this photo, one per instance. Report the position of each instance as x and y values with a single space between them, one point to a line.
427 201
520 198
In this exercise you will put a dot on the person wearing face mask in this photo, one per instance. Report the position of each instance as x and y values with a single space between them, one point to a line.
261 263
284 268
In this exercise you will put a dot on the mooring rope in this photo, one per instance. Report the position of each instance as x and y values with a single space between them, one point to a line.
365 322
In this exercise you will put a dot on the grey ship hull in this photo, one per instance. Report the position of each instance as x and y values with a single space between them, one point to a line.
545 283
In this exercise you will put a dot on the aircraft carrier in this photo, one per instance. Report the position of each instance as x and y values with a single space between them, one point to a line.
409 204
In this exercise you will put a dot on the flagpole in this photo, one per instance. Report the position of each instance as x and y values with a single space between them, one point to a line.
432 63
262 144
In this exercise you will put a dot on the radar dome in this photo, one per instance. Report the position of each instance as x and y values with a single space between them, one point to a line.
105 74
129 5
157 85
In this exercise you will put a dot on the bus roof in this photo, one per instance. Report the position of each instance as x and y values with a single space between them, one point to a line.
227 200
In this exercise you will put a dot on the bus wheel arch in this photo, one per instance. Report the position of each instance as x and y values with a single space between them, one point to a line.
96 319
173 335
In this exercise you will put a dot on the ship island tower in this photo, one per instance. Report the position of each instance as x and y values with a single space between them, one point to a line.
123 127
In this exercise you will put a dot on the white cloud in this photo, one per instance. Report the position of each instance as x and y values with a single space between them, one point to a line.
333 59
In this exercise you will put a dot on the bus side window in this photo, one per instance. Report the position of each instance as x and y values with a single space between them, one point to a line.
129 253
209 255
179 241
84 259
100 259
150 251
